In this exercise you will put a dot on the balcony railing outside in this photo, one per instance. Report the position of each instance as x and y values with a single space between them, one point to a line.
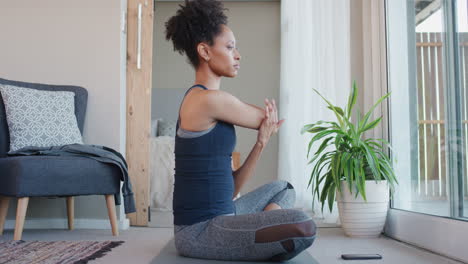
432 181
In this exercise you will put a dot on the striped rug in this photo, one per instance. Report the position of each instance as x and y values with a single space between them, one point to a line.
52 252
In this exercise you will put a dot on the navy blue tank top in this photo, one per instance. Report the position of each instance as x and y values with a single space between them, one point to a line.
204 185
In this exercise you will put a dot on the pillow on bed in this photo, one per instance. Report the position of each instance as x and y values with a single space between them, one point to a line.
40 118
166 128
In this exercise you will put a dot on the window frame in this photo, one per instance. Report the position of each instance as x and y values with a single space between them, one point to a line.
447 233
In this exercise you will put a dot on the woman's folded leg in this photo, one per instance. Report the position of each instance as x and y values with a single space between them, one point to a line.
279 192
270 235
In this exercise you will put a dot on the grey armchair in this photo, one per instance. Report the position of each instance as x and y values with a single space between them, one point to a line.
23 177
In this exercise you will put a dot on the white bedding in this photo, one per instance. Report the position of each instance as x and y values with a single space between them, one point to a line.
161 172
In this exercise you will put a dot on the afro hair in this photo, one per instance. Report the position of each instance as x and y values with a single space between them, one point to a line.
196 21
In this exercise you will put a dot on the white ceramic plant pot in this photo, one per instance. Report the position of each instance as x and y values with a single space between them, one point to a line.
360 218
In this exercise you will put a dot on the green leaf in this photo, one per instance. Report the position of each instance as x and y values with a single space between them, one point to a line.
321 135
345 167
366 117
325 165
337 109
387 173
325 189
350 170
316 174
334 125
382 140
353 133
318 182
323 161
363 183
337 168
338 141
315 189
391 176
360 178
342 166
333 167
312 141
372 161
317 129
326 133
323 145
371 125
338 117
310 145
306 128
331 196
374 144
352 99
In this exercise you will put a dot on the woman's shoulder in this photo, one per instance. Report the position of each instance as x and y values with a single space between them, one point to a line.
218 105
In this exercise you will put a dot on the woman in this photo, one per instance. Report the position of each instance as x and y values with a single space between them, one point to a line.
207 222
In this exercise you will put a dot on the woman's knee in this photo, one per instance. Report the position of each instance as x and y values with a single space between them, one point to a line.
280 232
307 228
303 229
285 198
304 223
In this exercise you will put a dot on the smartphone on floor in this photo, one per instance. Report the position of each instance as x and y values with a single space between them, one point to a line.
360 256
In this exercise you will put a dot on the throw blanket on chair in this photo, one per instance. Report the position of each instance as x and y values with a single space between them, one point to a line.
96 152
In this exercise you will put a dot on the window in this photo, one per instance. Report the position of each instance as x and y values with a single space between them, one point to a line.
428 78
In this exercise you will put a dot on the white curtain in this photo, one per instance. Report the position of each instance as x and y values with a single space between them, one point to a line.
315 54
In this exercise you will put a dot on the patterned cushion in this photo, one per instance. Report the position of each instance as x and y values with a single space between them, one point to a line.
40 118
166 128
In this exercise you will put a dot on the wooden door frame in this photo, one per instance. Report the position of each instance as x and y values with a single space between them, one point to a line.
138 106
138 103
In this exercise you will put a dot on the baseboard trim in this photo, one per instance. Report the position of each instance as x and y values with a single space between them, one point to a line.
441 235
62 223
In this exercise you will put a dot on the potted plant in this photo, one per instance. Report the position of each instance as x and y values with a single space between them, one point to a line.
346 164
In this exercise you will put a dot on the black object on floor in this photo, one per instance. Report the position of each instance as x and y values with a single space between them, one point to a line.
360 256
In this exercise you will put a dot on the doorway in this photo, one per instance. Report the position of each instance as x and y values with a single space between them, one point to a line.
171 76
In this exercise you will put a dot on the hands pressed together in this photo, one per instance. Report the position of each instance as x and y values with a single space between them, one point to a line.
270 123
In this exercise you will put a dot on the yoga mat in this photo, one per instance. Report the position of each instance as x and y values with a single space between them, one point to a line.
169 255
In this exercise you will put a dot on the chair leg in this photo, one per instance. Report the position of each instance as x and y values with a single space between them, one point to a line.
20 216
70 212
4 201
112 215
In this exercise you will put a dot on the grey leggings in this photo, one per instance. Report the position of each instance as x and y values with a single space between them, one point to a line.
251 234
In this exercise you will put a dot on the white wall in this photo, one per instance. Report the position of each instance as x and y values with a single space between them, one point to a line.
80 43
75 43
256 26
